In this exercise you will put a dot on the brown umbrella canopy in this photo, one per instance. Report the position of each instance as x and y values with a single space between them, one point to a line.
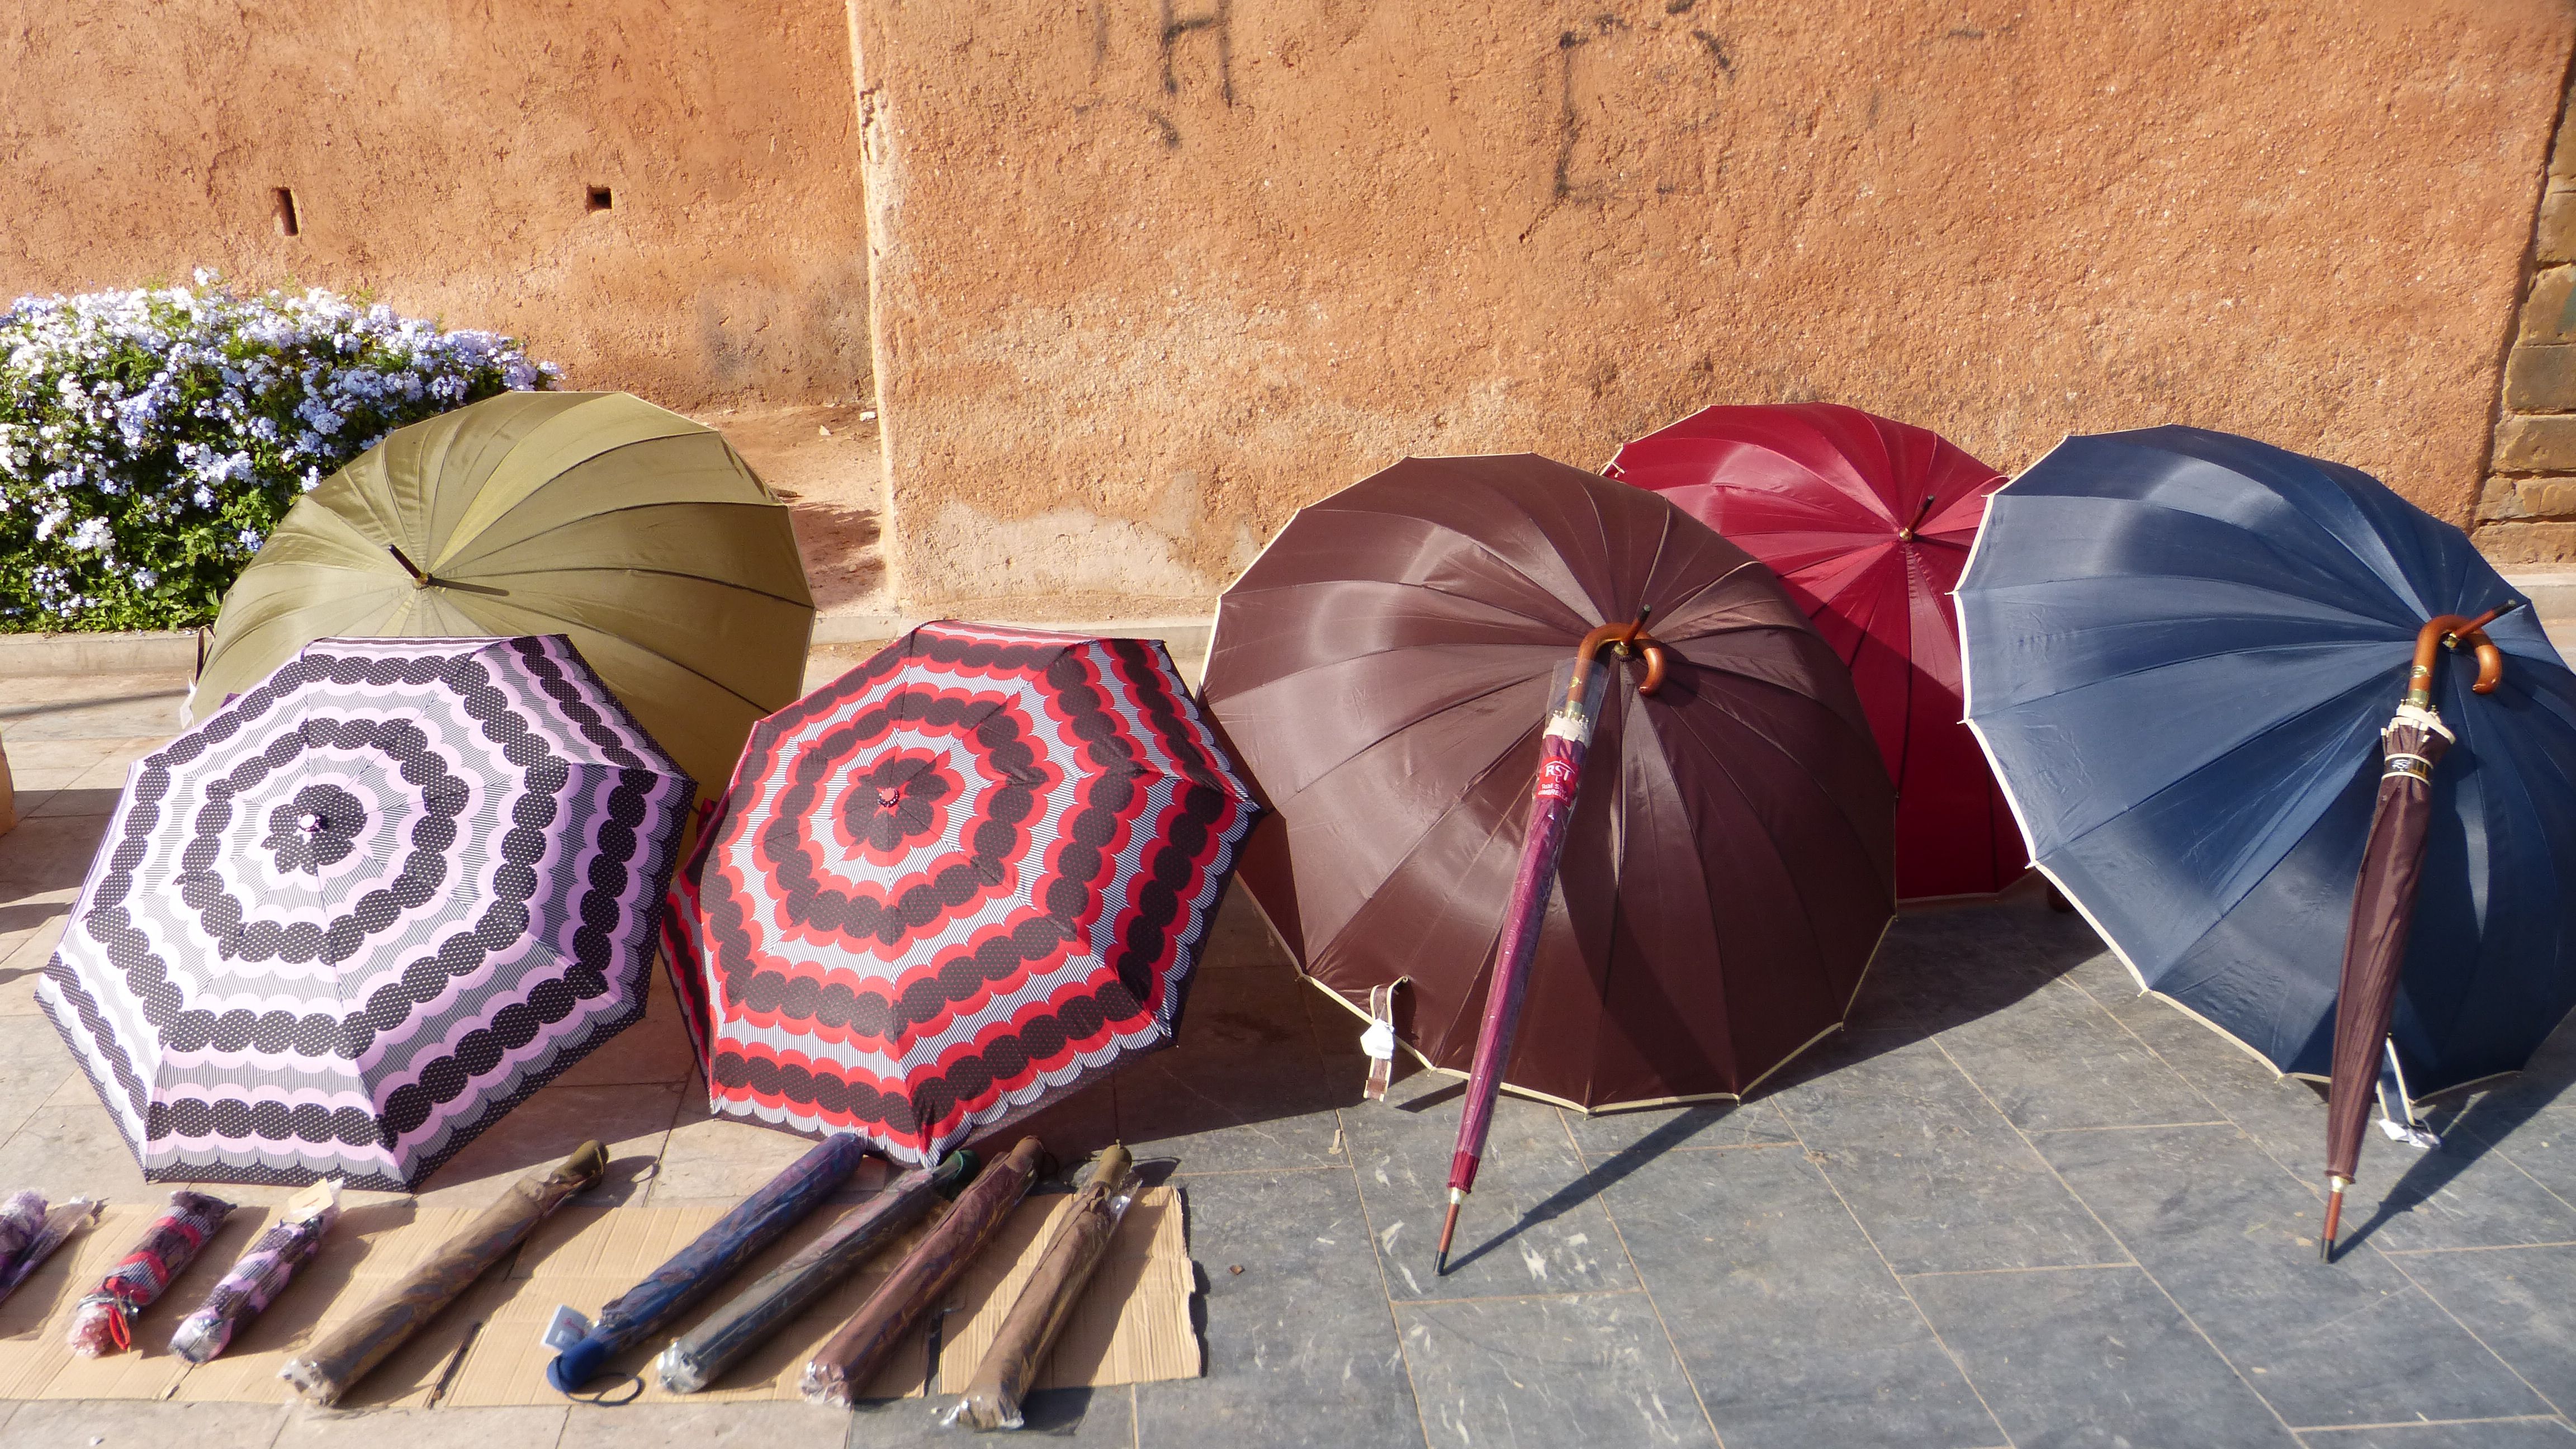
1384 668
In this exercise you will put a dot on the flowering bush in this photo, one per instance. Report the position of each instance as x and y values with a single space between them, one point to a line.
150 439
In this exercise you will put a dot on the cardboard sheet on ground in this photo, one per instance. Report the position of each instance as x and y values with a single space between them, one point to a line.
1132 1326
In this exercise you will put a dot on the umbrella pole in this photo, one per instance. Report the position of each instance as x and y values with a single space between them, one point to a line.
1560 774
2383 904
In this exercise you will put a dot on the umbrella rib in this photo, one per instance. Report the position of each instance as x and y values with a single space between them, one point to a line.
1480 545
2401 631
629 570
1501 822
2342 543
2097 680
459 563
1718 759
1343 763
2177 783
1241 593
641 648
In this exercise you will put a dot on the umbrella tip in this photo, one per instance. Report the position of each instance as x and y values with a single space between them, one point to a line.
1448 1230
2334 1218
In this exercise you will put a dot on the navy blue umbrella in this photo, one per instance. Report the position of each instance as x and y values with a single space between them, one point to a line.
2181 647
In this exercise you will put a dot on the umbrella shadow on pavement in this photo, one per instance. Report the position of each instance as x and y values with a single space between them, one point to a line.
2471 1129
1612 1169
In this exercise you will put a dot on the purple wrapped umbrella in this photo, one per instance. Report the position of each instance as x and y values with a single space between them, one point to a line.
58 1225
22 1218
260 1274
361 911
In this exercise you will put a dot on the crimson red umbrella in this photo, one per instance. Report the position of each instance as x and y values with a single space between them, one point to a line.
1868 523
958 882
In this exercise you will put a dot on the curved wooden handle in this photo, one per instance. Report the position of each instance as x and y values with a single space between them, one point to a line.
1626 638
2454 630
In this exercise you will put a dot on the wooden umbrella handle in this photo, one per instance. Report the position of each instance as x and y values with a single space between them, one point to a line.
1626 638
2455 630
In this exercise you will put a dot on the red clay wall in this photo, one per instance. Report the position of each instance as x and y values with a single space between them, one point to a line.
441 153
1149 274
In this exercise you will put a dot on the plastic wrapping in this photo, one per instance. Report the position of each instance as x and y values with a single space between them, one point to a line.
744 1323
60 1224
22 1218
259 1274
695 1270
330 1368
1081 1239
103 1323
853 1354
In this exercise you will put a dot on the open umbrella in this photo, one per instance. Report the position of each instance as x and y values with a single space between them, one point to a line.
1868 522
638 534
1387 668
350 919
2182 647
958 882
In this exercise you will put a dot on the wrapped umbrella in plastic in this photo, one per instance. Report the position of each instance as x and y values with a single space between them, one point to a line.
260 1274
103 1321
749 1318
696 1270
60 1222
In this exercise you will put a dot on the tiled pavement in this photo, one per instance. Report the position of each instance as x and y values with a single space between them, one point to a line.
2015 1204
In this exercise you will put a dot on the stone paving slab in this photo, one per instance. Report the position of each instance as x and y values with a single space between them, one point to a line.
2017 1204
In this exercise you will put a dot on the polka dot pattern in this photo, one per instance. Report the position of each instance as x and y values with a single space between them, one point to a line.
364 909
954 885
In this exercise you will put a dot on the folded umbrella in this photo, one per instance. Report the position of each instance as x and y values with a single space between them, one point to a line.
2182 647
1387 668
959 882
639 535
348 921
1868 522
2383 900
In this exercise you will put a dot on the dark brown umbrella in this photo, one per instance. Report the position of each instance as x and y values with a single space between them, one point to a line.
2383 899
1385 668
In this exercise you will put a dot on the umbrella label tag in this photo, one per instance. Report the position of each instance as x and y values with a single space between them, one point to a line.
566 1328
1378 1041
1556 776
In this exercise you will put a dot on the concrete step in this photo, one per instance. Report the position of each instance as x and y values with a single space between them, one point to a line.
2552 592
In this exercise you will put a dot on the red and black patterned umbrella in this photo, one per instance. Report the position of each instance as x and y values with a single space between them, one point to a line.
953 885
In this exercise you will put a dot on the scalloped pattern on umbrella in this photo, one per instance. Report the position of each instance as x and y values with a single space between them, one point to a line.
366 908
953 885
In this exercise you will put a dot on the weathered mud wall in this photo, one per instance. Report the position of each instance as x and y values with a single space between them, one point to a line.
1149 274
662 197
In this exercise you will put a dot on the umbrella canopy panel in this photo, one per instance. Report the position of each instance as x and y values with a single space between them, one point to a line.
638 534
1868 523
1385 668
2181 648
955 884
359 913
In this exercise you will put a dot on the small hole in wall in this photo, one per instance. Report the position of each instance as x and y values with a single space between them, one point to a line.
288 223
599 199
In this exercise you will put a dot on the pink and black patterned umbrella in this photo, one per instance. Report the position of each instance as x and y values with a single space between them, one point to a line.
367 907
953 885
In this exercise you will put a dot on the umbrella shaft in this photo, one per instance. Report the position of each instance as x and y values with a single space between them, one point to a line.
1560 773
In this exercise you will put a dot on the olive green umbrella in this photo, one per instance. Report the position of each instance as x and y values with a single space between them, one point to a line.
640 534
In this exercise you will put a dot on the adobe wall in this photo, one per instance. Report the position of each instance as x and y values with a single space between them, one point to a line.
1149 274
441 155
